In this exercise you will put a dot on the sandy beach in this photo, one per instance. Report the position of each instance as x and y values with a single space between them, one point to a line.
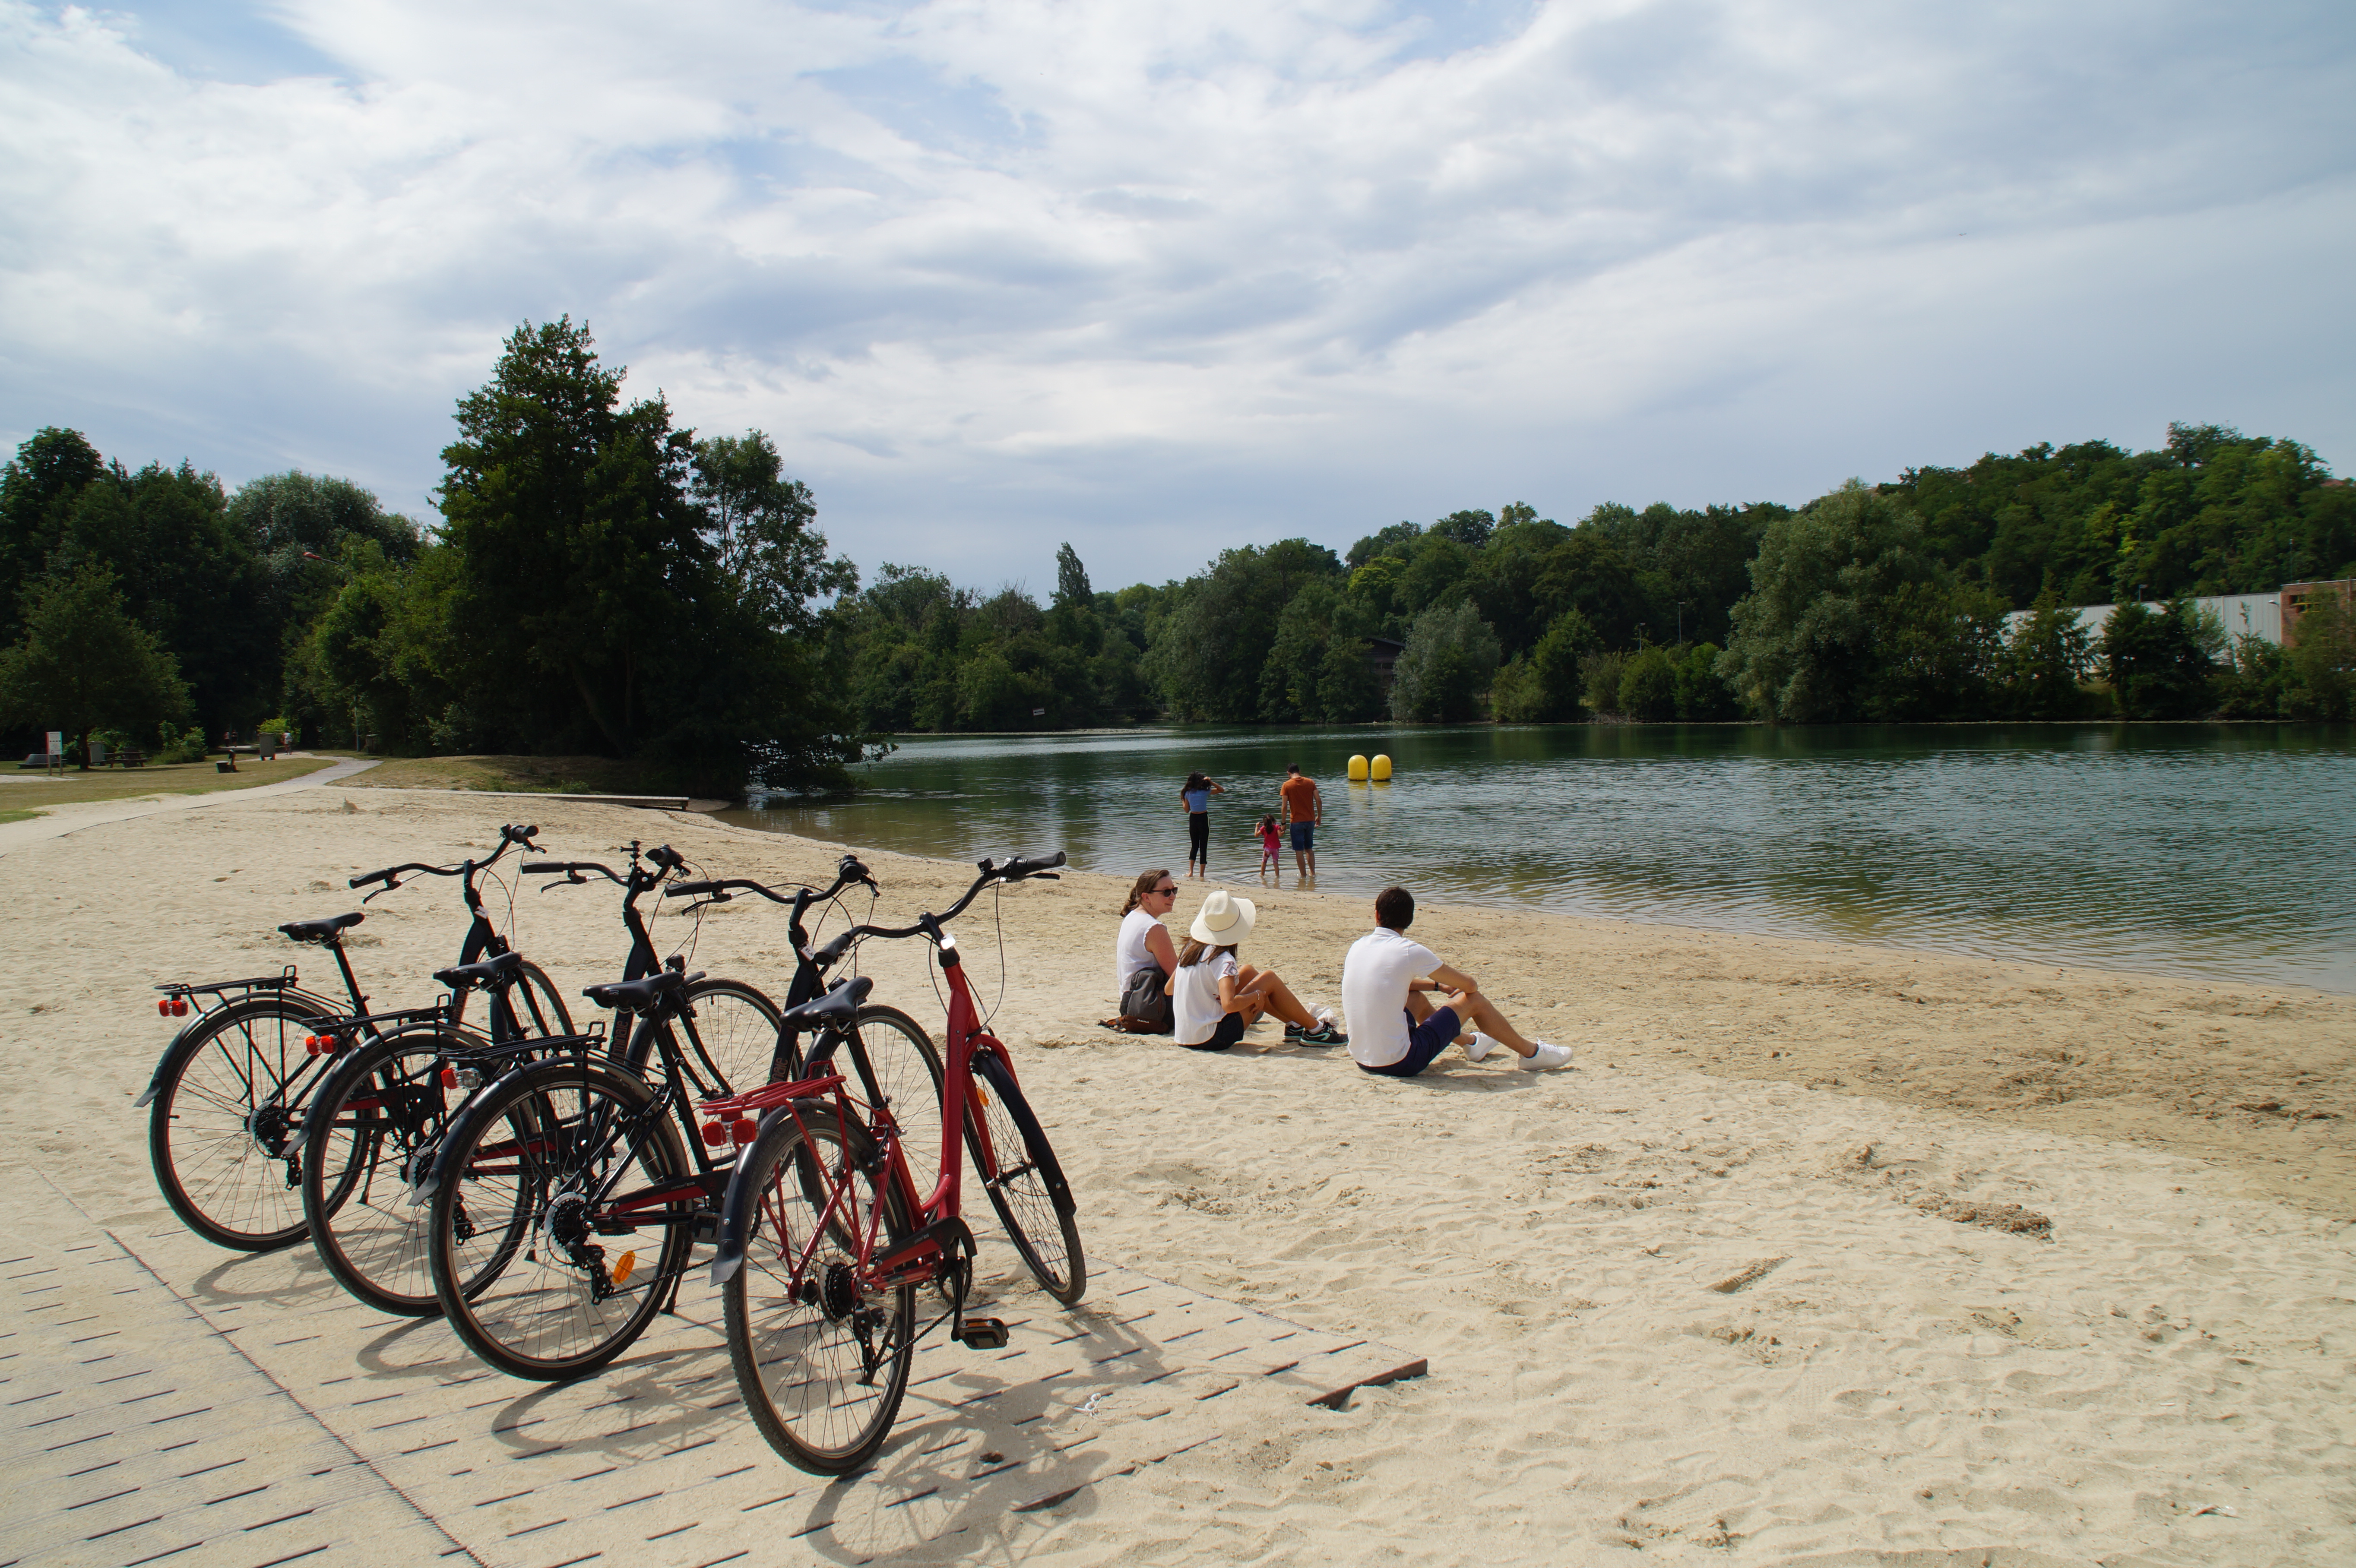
1820 1254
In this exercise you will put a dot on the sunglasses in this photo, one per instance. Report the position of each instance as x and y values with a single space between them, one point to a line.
1166 893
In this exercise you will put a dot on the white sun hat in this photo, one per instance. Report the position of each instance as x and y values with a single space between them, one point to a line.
1223 921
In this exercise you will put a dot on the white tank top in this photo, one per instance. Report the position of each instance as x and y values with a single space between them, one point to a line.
1129 953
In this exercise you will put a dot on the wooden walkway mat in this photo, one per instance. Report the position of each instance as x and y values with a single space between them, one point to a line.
162 1401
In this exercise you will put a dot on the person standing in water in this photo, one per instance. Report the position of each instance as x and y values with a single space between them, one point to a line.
1306 809
1196 798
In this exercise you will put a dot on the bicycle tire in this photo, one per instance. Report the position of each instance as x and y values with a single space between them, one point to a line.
908 1071
212 1154
387 1108
526 1294
806 1339
1033 1201
730 1035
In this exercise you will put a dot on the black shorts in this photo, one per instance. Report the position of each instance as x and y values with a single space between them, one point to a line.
1229 1031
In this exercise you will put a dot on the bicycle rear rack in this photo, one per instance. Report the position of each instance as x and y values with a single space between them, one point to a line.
174 1003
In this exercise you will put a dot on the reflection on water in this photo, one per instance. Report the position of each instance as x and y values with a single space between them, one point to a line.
2218 851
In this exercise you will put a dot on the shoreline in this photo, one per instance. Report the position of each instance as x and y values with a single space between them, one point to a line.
1817 1249
2304 1062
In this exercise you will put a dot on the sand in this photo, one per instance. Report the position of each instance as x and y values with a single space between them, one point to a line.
1820 1253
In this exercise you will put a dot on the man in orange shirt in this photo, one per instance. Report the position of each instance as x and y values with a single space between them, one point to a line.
1306 808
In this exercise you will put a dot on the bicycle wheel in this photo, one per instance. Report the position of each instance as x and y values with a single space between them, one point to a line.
224 1129
821 1358
729 1037
381 1118
532 1178
908 1073
1025 1180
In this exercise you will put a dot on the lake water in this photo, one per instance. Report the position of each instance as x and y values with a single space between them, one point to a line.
2220 851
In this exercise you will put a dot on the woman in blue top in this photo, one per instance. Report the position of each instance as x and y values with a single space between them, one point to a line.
1197 795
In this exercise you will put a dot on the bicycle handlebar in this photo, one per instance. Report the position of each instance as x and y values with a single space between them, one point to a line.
716 889
510 834
1015 870
571 871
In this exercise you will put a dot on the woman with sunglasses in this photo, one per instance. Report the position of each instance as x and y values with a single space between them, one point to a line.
1143 956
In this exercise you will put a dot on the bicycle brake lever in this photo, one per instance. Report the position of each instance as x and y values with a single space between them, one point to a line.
388 887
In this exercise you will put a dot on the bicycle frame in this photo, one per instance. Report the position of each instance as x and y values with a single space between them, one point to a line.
940 1242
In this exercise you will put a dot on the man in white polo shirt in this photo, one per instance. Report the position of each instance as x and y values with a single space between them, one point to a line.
1395 1030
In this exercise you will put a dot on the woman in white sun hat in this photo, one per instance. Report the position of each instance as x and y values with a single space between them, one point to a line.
1215 999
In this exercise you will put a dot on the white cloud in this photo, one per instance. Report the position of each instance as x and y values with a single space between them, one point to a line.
1160 281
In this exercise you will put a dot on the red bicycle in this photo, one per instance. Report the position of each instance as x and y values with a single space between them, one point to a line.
825 1240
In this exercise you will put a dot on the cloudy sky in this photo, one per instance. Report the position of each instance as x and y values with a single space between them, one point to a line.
1161 279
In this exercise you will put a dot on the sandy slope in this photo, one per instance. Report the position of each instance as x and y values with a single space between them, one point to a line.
1720 1294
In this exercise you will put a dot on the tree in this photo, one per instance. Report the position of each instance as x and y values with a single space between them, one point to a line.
1803 648
84 663
2047 655
1648 685
2162 665
760 526
1450 660
37 490
1217 642
1545 686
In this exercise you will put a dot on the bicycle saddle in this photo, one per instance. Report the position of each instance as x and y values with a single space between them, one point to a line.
836 1006
321 930
636 996
489 973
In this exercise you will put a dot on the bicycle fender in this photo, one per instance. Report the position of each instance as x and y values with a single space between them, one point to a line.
735 1216
184 1042
458 1131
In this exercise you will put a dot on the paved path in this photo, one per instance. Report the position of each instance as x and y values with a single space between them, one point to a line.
160 1398
57 821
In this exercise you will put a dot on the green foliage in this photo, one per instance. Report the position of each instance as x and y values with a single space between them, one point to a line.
2212 512
83 662
1805 647
1545 686
2046 661
1210 656
925 655
1648 685
1702 697
1450 659
2161 665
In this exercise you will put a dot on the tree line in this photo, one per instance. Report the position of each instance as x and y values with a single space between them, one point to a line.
600 580
1872 604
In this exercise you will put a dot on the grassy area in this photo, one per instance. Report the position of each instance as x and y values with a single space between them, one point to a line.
26 793
535 776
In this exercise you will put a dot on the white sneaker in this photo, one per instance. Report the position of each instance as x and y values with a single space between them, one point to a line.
1547 1056
1482 1045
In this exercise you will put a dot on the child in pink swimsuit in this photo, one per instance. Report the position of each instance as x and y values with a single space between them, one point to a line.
1269 842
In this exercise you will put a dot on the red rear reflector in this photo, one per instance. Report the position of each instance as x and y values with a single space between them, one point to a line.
449 1078
715 1134
163 1006
180 1008
744 1130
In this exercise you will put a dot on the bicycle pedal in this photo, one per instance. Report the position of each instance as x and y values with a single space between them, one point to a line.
984 1333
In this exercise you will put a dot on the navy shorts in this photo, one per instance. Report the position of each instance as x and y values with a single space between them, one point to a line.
1425 1040
1304 836
1230 1030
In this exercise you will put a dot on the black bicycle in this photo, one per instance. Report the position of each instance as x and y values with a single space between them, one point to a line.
385 1108
228 1101
571 1152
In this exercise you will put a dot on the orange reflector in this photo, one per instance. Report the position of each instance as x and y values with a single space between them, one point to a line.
623 1266
981 1094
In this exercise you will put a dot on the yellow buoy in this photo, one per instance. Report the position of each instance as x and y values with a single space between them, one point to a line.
1357 770
1382 767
